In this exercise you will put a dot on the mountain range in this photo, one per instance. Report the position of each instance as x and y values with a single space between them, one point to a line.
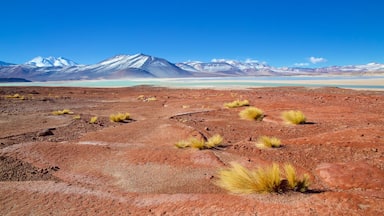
145 66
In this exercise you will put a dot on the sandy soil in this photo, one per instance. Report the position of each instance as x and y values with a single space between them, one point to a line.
58 165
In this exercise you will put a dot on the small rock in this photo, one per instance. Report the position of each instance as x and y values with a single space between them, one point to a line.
46 132
363 206
206 128
374 149
55 168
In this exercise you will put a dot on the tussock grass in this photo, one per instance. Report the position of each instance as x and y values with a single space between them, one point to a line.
268 142
62 112
295 184
293 117
146 99
93 120
237 103
119 117
16 96
252 113
197 143
214 141
240 180
77 117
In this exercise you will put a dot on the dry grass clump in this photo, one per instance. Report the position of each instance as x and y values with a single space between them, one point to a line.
119 117
293 183
146 99
16 96
93 120
268 142
293 117
62 112
238 179
237 103
252 113
77 117
193 142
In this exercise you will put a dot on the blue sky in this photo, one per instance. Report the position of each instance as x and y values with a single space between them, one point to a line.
311 33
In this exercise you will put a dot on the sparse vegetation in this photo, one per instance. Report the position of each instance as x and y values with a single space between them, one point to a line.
252 113
62 112
268 142
119 117
77 117
294 184
293 117
93 120
146 99
197 143
237 103
16 96
238 179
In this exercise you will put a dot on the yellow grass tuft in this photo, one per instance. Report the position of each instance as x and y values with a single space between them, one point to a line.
16 96
119 117
238 179
268 142
214 141
252 113
146 99
197 143
62 112
77 117
237 103
293 117
290 175
93 120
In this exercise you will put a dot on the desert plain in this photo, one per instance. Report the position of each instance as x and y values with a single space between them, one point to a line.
65 165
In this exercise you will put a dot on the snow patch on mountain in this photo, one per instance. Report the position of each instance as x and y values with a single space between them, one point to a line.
50 62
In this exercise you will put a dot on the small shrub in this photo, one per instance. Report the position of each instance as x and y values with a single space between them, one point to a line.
119 117
214 141
146 99
93 120
293 183
16 96
77 117
62 112
240 180
151 99
197 143
293 117
252 113
182 144
268 142
237 103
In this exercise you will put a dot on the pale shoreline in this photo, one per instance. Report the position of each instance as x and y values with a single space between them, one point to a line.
349 82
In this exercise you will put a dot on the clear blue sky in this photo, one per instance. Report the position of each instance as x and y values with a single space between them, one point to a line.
281 33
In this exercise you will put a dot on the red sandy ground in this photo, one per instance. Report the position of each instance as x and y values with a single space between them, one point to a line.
134 168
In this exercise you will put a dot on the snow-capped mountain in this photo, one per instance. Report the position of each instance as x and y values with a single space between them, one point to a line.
145 66
227 67
153 66
50 62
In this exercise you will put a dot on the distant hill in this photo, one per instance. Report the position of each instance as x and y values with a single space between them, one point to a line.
2 80
146 66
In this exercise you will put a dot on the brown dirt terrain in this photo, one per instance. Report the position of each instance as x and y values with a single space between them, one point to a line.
58 165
